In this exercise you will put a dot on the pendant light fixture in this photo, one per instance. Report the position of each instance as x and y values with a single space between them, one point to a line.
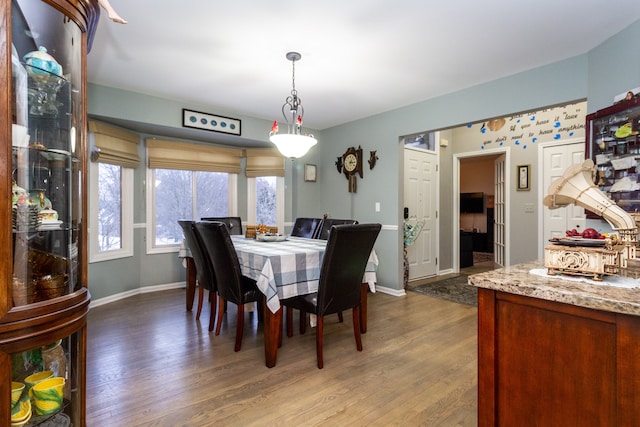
292 144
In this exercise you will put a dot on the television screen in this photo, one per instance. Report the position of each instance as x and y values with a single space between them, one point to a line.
471 202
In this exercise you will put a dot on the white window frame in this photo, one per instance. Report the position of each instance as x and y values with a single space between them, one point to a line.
151 205
251 202
126 205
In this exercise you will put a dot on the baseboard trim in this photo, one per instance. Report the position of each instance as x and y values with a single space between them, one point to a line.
157 288
142 290
390 291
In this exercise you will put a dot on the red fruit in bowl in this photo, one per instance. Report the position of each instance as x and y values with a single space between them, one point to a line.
590 233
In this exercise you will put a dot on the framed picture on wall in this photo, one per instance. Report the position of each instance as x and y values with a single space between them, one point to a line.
309 172
522 174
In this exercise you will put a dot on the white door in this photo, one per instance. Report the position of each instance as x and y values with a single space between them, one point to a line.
556 159
420 197
499 212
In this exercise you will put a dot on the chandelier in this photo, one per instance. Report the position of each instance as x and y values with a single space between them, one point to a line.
292 144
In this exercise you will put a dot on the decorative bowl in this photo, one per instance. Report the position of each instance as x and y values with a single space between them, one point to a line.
48 395
41 64
21 413
48 216
52 285
34 379
23 293
16 391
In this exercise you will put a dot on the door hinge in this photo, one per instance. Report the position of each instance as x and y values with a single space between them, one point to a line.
436 260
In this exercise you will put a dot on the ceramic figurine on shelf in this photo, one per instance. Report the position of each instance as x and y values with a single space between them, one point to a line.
112 14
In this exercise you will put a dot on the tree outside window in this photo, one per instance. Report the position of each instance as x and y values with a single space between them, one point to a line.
109 207
179 193
266 200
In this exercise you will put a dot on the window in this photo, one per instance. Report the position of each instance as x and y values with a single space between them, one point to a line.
183 194
424 141
114 155
266 201
111 212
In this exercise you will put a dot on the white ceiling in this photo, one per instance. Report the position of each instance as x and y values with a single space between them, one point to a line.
359 57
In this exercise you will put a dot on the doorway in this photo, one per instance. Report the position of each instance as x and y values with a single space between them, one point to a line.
421 207
485 175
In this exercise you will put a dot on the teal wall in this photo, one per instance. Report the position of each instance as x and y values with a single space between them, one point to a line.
597 76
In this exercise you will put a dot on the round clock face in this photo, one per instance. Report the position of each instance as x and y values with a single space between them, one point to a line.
350 162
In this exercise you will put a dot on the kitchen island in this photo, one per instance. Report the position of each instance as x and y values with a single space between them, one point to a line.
555 352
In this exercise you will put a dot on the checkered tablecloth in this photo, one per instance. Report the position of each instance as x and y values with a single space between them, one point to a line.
285 269
289 268
281 269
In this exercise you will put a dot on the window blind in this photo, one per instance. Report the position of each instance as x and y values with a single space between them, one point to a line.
264 162
114 145
163 154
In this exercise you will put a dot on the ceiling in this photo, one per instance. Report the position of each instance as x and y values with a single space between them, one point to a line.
359 57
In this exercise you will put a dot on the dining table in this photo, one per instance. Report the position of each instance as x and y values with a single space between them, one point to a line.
284 269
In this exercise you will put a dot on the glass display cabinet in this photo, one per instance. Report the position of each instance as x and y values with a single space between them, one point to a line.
613 143
44 298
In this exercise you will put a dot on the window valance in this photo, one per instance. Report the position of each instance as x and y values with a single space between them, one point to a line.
165 154
114 145
264 162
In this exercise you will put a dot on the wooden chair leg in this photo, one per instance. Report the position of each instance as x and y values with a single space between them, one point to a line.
239 327
214 303
200 300
289 311
303 322
191 282
356 327
340 318
221 303
319 342
364 290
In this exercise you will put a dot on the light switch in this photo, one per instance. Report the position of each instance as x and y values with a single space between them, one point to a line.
528 208
377 206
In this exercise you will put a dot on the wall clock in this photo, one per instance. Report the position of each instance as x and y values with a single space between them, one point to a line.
352 165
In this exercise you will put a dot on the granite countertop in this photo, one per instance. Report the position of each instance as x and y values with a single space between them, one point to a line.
519 280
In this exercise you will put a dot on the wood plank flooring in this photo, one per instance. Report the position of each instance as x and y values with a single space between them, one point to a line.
150 363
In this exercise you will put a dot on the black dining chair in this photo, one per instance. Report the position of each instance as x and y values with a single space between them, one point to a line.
234 223
343 265
328 223
204 269
232 285
306 227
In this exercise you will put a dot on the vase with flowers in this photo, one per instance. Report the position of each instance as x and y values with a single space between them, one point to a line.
412 229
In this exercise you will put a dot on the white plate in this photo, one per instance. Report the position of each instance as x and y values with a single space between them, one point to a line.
52 225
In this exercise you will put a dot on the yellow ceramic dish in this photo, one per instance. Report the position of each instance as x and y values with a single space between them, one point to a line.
48 395
21 412
16 391
34 379
21 423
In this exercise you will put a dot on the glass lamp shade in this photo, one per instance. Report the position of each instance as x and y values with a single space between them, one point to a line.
292 145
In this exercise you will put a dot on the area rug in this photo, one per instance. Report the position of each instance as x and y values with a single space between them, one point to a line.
454 289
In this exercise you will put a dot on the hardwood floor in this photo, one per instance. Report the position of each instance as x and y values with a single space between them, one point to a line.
149 363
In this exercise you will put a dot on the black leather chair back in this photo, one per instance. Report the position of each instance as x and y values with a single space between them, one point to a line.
328 223
343 266
306 227
234 223
216 239
204 269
